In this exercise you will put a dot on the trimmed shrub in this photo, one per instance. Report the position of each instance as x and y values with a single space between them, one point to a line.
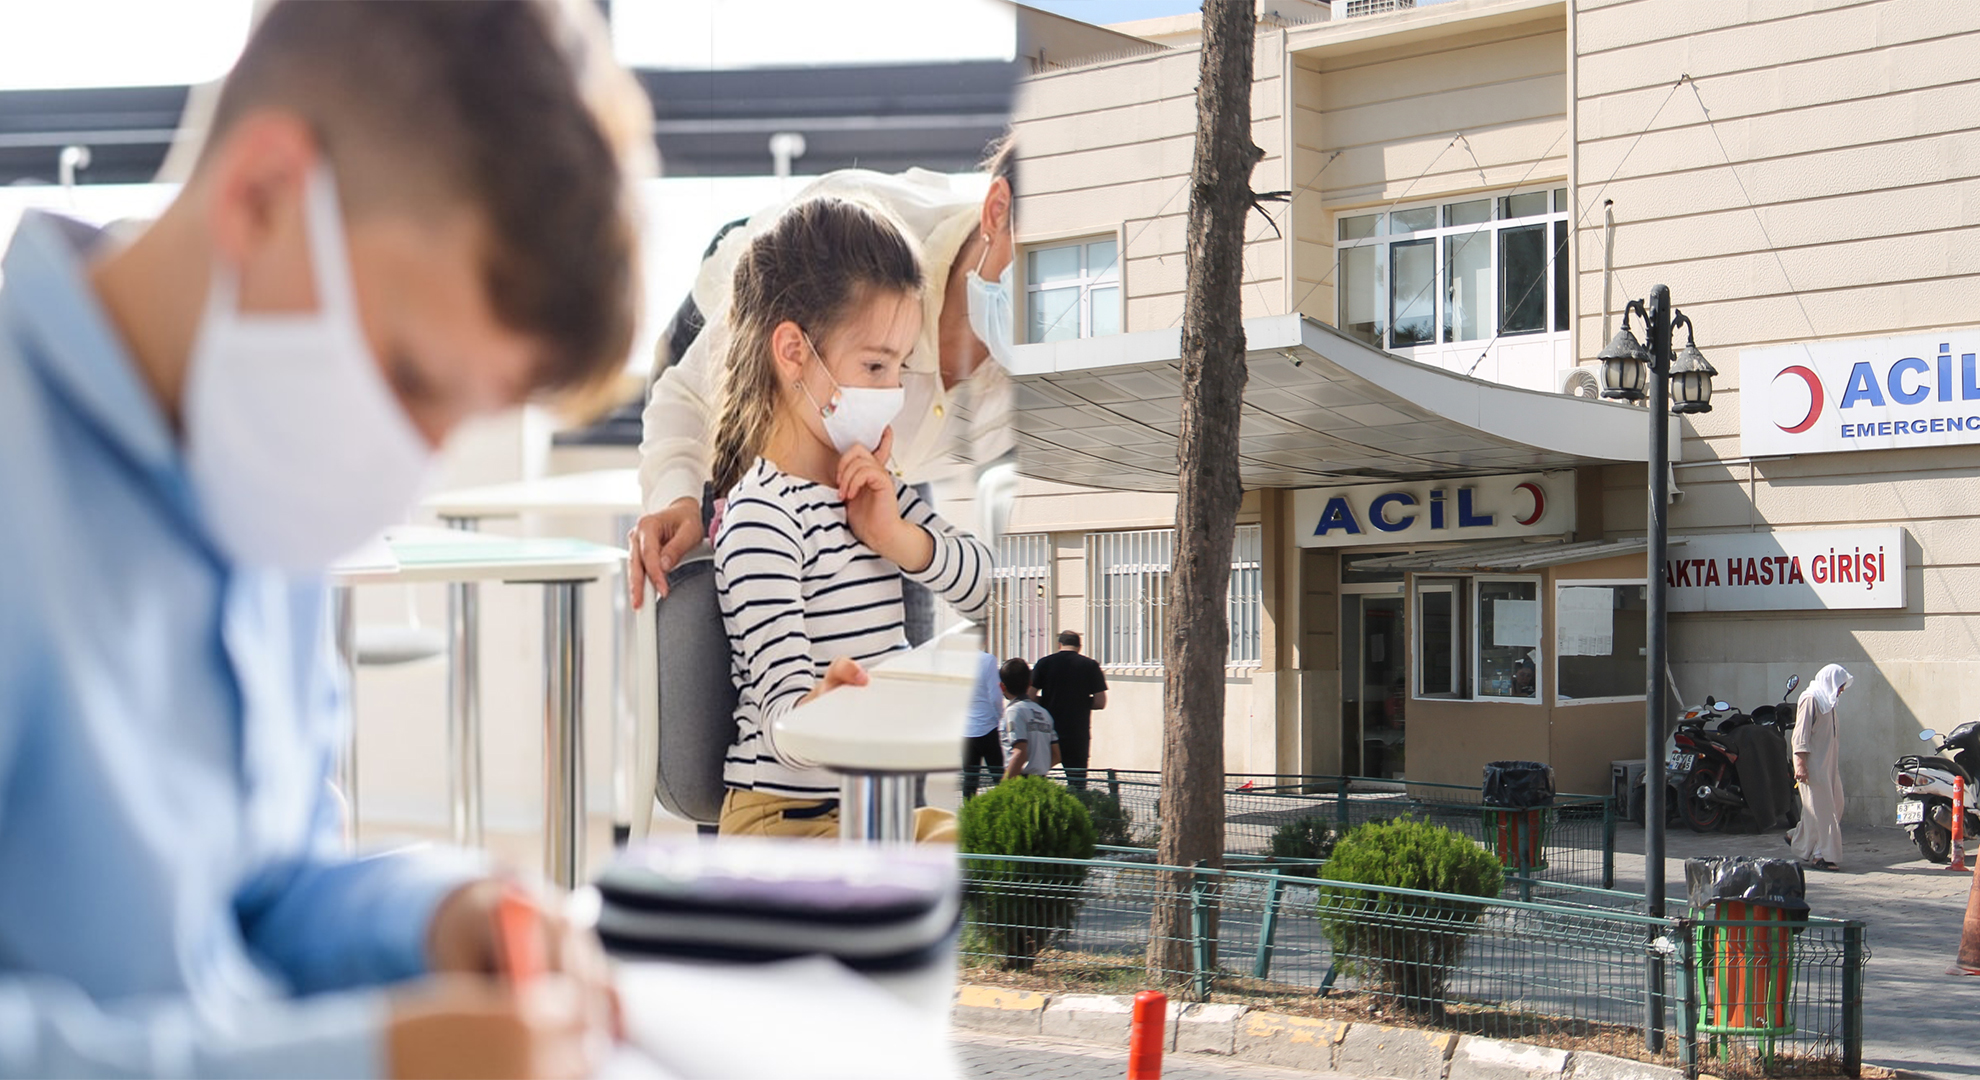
1310 837
1016 908
1112 824
1406 946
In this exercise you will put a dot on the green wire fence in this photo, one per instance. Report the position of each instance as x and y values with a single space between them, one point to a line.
1573 841
1571 967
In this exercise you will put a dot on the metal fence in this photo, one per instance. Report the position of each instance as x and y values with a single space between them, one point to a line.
1572 841
1572 971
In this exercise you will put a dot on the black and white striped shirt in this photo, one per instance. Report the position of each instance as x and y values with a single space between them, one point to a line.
798 590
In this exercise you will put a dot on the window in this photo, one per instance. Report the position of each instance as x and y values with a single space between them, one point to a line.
1478 638
1020 622
1072 290
1454 272
1128 595
1599 639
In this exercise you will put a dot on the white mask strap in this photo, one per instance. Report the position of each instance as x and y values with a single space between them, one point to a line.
328 250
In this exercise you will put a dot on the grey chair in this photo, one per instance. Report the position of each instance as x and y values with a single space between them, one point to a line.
687 699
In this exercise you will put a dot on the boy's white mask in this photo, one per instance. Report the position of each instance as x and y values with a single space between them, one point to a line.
297 448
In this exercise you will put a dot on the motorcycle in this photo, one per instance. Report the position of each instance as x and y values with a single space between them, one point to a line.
1709 792
1925 790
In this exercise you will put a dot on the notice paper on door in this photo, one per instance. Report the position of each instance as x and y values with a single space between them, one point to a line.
1516 622
1586 620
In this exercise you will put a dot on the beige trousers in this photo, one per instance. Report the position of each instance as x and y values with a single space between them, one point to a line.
750 813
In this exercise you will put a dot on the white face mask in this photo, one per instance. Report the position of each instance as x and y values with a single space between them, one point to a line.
856 415
298 449
991 315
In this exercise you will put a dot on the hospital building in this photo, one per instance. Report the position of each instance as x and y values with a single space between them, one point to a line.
1440 557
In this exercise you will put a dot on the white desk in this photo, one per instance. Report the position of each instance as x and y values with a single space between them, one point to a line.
414 554
607 492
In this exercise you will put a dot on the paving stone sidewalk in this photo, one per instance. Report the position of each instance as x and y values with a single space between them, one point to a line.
1037 1057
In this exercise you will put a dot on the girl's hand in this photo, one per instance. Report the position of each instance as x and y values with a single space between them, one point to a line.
845 671
872 511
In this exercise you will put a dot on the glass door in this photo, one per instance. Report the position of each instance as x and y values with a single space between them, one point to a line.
1374 648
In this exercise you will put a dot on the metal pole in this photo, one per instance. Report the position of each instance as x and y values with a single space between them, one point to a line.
1658 317
563 733
876 808
623 720
343 614
464 703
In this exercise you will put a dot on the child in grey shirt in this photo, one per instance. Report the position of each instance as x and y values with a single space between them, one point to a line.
1027 726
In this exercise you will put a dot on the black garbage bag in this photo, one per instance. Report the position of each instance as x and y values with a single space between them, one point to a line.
1776 883
1764 778
1518 785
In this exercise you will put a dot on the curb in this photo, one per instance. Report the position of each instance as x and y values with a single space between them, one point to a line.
1269 1038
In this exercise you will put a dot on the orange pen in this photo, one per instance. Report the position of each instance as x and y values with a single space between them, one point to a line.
518 935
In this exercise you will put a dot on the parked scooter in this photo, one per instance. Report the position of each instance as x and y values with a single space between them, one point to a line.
1709 794
1925 790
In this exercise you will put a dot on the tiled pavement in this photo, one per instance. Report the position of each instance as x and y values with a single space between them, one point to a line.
1033 1057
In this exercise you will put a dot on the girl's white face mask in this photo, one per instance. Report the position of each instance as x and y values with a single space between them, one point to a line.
855 415
297 447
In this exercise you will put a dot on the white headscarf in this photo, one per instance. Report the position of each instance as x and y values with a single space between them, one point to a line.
1828 685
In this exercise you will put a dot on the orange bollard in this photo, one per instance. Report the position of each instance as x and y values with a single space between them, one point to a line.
1151 1008
1958 825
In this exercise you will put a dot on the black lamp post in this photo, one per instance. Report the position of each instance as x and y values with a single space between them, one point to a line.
1626 369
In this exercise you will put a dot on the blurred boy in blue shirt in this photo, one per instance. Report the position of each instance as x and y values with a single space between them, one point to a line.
403 216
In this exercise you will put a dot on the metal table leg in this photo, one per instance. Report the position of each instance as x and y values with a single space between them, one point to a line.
563 732
464 703
343 615
877 808
623 721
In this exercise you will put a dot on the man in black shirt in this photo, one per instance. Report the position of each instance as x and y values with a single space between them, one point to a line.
1071 687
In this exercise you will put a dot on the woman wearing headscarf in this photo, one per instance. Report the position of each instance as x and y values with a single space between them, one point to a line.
1817 841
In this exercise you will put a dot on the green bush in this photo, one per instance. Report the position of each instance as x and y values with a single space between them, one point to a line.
1112 824
1310 837
1016 908
1406 946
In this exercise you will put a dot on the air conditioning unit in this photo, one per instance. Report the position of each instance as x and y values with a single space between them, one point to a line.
1581 382
1358 8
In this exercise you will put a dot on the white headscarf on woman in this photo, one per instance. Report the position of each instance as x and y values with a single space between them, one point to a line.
1828 685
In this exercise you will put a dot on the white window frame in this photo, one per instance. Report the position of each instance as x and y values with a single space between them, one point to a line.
1467 654
1383 237
1107 277
1478 640
1577 583
1021 598
1142 556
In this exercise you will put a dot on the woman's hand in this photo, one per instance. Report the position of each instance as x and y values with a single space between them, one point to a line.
657 543
874 514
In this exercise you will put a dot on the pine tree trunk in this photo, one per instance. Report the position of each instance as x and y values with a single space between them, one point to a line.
1196 640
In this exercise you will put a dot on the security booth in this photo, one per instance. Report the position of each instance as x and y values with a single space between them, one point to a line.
1522 649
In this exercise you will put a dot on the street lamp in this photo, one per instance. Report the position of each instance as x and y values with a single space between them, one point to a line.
1626 367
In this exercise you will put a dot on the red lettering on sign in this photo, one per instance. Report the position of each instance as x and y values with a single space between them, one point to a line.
1794 571
1712 571
1733 568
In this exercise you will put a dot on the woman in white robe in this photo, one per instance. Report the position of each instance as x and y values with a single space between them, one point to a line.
1817 841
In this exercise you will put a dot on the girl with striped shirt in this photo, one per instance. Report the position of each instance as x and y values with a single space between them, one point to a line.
816 535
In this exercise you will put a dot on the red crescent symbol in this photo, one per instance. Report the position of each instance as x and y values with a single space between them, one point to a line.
1814 399
1539 502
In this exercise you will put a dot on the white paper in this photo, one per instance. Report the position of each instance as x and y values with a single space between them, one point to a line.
1586 622
1516 622
811 1018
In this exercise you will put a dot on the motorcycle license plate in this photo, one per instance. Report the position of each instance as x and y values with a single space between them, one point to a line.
1682 763
1910 812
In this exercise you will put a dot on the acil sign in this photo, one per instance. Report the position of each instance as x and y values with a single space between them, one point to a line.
1474 508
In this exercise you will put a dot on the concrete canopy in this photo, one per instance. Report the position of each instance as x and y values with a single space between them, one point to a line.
1320 408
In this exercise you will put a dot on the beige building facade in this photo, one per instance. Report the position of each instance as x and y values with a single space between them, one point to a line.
1476 190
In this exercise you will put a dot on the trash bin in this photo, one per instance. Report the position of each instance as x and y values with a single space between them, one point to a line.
1517 797
1749 963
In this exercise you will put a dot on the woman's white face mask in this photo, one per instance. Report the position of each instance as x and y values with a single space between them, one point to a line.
298 449
854 415
992 313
